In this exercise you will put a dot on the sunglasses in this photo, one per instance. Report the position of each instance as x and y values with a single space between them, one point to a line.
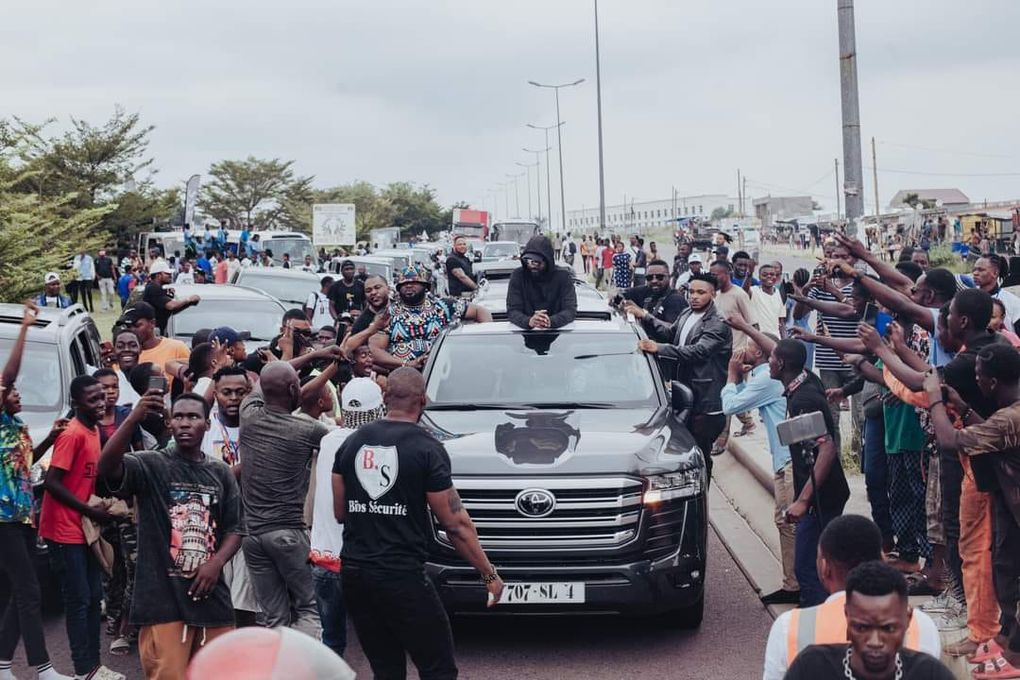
531 260
656 277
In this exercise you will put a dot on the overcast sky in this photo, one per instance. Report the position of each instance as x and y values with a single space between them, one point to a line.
436 92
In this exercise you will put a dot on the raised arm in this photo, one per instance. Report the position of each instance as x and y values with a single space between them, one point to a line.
13 366
886 272
111 460
764 342
840 309
893 299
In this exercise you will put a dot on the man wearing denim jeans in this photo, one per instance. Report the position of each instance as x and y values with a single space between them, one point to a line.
277 448
814 506
70 481
361 403
758 389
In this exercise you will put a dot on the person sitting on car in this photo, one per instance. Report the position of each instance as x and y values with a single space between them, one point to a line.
414 321
540 295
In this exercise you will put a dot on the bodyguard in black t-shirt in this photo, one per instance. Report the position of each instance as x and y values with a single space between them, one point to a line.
805 394
459 271
384 475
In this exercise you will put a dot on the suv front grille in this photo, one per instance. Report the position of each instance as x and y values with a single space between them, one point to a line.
589 513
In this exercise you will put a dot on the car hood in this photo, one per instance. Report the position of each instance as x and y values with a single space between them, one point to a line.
571 441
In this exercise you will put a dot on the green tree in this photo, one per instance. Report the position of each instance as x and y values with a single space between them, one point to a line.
253 191
91 162
144 209
721 213
414 208
40 232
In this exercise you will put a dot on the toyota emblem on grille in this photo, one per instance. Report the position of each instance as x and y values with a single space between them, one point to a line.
535 502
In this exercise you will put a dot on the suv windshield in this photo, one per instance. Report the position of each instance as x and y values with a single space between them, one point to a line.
261 318
501 250
522 369
290 289
40 381
297 248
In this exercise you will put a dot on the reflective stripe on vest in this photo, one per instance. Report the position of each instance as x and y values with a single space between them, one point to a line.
826 625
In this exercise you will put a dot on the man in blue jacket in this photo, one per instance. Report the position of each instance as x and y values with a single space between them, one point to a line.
51 296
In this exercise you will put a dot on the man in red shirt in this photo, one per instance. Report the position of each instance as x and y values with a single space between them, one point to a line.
70 481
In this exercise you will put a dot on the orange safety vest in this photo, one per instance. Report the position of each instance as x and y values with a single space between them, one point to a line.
826 625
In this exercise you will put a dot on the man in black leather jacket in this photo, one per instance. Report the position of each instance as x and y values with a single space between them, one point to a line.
700 343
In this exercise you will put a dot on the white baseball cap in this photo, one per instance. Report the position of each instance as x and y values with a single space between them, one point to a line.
160 266
51 277
694 258
361 394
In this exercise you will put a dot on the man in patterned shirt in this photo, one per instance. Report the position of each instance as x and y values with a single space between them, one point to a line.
416 319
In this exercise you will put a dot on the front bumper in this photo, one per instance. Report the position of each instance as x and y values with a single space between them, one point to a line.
638 588
635 585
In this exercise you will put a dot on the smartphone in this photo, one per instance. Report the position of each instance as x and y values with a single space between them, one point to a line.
157 382
870 314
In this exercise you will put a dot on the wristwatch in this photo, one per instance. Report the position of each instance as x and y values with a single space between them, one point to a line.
490 577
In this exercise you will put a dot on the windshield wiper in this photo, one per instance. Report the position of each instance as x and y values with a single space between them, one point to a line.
570 404
607 354
479 407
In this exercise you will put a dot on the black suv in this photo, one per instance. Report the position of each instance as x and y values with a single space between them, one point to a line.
573 459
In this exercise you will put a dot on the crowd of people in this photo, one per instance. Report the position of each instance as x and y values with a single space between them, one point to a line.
231 485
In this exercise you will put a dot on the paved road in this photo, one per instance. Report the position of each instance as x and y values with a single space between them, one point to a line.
729 644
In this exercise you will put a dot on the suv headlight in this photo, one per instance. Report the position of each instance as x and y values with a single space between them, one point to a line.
672 485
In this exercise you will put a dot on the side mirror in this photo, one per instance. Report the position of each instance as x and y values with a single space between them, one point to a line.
681 398
478 256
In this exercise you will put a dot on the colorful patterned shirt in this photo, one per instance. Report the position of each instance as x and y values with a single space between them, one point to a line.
414 329
16 499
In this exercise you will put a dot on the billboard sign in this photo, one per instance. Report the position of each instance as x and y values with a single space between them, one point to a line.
333 224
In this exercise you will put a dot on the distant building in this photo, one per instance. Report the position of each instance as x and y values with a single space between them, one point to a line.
644 215
944 198
772 208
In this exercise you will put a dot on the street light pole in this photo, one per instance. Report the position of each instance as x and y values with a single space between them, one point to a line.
527 166
548 185
538 176
598 99
517 192
559 142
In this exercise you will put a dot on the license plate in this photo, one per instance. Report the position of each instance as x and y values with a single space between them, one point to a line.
543 593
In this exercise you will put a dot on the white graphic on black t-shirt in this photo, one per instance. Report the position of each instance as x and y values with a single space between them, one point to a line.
192 530
376 468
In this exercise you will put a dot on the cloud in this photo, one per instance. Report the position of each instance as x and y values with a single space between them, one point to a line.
437 92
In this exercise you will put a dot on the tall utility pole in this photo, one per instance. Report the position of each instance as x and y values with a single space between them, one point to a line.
598 99
559 142
874 175
548 185
836 161
538 174
743 196
740 195
852 170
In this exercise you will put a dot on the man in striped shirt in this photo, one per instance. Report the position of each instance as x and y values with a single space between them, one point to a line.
827 289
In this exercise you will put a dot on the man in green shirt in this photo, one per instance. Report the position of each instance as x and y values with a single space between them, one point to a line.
904 446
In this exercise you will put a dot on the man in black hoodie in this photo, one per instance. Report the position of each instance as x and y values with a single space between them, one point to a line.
540 295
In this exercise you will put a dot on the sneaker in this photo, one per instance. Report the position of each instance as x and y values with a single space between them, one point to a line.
782 597
939 604
102 673
955 618
120 647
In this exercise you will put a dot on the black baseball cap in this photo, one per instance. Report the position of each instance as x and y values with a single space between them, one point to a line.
139 310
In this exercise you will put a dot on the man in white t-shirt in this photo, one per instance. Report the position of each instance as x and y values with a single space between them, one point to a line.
317 305
767 309
362 403
230 386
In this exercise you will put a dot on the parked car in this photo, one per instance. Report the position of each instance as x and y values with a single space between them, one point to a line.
290 286
401 257
241 308
577 467
374 266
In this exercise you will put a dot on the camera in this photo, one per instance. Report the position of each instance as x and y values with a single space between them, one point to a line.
803 428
